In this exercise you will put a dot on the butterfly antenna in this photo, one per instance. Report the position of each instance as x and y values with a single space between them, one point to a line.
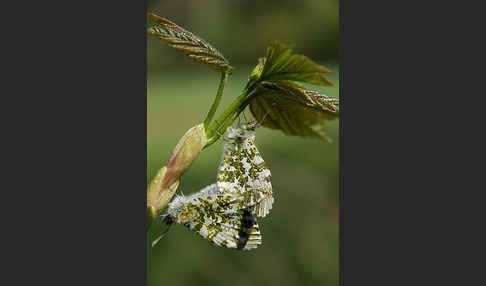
244 115
168 222
259 123
266 114
154 243
221 135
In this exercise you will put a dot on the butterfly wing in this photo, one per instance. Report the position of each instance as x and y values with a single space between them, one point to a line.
238 230
213 216
243 175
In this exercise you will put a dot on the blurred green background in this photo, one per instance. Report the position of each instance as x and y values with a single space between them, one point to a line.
301 234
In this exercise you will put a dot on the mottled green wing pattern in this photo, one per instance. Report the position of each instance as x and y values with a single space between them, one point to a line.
214 216
243 174
226 213
238 230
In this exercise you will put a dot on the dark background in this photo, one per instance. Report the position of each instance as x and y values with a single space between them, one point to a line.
300 236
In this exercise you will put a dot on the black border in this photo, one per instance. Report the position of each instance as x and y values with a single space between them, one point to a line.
76 90
396 77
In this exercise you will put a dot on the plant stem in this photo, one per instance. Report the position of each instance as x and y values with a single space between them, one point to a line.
217 99
229 120
214 132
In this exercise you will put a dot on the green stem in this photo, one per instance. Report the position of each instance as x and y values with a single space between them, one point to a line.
214 132
229 120
217 99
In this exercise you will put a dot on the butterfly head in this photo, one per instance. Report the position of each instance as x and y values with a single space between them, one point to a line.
250 125
244 130
176 206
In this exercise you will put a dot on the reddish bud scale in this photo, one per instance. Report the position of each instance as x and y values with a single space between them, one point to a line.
165 183
184 154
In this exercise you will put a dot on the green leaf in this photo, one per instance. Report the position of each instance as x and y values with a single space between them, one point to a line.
292 92
279 102
194 47
280 64
294 109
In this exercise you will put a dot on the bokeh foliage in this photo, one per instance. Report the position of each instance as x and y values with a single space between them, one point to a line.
242 29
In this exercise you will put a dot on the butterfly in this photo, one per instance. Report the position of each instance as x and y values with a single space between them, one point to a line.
242 173
226 213
214 216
